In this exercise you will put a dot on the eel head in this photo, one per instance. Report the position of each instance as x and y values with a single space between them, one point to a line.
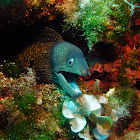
68 63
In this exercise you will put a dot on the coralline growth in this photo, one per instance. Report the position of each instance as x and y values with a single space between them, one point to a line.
35 111
29 110
100 20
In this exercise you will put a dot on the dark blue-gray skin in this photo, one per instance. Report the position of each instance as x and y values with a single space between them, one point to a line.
50 56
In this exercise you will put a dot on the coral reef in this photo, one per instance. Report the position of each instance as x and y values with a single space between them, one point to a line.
39 9
10 69
109 105
87 106
28 110
99 20
122 77
40 111
123 71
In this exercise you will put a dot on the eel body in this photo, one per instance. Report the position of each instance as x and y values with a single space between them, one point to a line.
50 56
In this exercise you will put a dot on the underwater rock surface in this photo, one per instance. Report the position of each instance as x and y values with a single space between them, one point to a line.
29 110
35 111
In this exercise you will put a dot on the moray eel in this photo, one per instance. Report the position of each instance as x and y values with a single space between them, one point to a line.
50 56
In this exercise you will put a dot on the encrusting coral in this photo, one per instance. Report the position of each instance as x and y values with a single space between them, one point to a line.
41 111
99 20
31 110
28 110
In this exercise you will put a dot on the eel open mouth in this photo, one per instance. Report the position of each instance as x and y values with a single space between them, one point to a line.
68 81
72 80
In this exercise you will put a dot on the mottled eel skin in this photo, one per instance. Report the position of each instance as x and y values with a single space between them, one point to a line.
51 55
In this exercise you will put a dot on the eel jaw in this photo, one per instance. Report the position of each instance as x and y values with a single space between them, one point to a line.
69 83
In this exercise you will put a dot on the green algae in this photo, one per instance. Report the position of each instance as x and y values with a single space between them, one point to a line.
27 129
21 130
126 95
43 134
100 20
124 99
122 78
11 70
57 113
26 101
30 124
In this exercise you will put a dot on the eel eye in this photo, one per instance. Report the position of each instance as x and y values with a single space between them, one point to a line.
70 62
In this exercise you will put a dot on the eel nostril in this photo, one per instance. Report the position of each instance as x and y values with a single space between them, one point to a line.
85 73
